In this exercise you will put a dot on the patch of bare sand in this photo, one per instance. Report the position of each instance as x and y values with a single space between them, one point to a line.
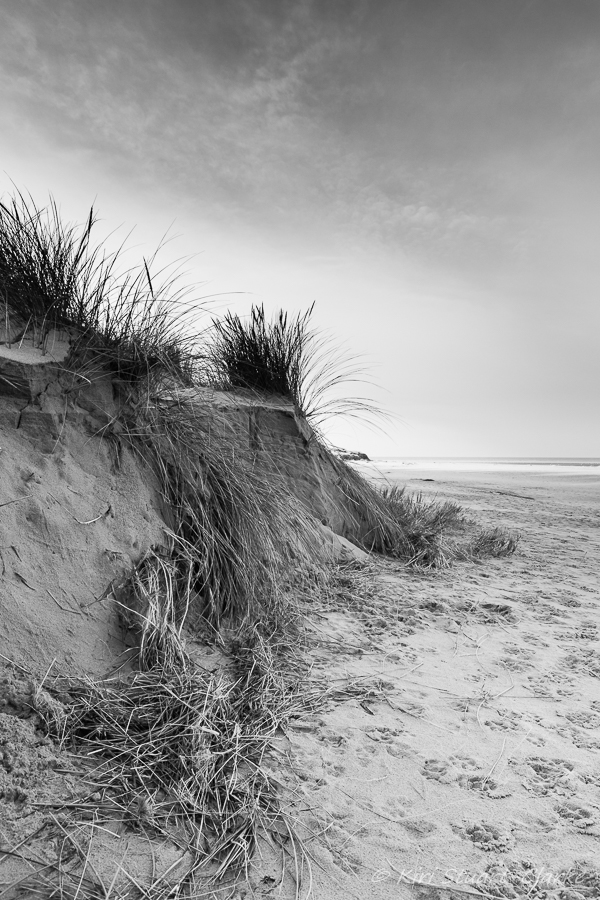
474 762
72 519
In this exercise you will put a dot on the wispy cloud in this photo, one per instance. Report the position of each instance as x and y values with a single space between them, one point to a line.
279 135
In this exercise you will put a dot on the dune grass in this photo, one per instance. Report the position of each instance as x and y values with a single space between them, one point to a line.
238 533
179 755
53 276
492 542
286 357
233 525
261 355
422 533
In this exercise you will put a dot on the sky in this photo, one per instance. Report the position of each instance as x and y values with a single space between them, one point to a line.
424 171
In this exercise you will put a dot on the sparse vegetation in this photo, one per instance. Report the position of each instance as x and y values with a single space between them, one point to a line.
494 542
238 531
53 277
180 752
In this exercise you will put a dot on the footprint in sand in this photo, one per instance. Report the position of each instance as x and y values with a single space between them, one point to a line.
587 631
591 778
399 749
576 814
519 878
341 844
460 760
570 602
387 738
420 827
583 741
565 692
483 785
585 661
506 720
535 640
542 685
488 837
438 770
584 719
383 734
333 738
473 779
517 659
366 754
550 775
580 882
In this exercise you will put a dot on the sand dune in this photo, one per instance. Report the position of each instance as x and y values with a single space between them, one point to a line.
455 748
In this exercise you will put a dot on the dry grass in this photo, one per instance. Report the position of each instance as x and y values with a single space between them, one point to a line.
422 533
53 277
238 533
176 754
494 542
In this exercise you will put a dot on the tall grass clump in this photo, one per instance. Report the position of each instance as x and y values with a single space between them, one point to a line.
261 355
286 357
53 277
422 533
394 523
494 542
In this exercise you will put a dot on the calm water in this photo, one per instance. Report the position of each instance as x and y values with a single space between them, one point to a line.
545 465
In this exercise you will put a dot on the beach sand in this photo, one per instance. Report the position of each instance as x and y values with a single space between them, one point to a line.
459 750
469 754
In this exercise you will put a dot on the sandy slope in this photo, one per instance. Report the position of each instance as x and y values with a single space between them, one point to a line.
463 748
480 764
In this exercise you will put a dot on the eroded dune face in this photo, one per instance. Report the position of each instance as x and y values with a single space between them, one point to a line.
77 511
80 508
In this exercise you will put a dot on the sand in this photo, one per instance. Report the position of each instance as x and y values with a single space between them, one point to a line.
461 754
476 762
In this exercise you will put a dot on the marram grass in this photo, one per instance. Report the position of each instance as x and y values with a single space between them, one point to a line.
285 356
53 276
238 531
177 755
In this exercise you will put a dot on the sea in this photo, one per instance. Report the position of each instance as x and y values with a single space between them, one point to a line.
577 472
523 465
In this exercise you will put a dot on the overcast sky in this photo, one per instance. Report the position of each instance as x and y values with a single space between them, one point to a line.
426 171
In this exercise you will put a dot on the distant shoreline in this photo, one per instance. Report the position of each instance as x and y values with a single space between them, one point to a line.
534 470
456 463
494 460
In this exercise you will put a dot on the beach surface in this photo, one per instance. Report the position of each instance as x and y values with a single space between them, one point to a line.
463 756
455 750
